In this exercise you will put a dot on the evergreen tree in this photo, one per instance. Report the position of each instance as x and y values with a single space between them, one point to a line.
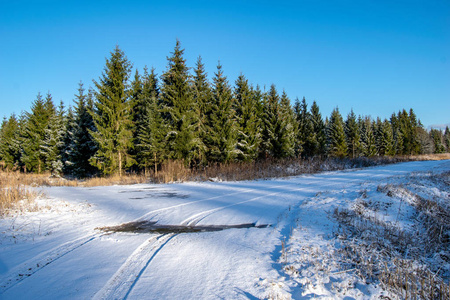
398 136
34 133
112 116
318 141
336 142
151 135
179 113
368 142
68 142
9 144
138 110
352 135
246 108
52 145
305 140
447 138
82 144
438 140
221 128
288 127
202 97
384 139
268 147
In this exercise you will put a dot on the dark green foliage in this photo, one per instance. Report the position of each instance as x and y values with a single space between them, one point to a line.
202 98
136 126
368 142
278 131
288 127
447 138
384 138
178 109
336 141
438 141
82 145
150 139
269 123
34 133
405 132
112 116
304 143
318 129
221 130
248 120
352 135
53 143
9 142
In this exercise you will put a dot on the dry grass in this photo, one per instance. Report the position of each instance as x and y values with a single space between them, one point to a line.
406 262
176 171
15 195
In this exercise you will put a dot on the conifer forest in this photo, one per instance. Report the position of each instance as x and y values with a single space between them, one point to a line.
136 122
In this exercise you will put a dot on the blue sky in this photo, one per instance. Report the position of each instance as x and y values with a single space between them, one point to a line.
376 57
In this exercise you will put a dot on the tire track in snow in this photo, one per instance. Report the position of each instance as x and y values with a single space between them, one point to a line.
195 219
40 261
156 211
123 281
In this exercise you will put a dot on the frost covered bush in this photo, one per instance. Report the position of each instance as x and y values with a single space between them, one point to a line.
401 238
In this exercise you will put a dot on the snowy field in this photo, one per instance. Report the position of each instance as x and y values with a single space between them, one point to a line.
289 245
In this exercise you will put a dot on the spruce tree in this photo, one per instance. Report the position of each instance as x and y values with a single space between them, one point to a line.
34 133
318 128
447 138
306 137
9 144
68 142
82 144
179 113
202 97
52 145
151 134
336 141
438 140
138 110
368 142
385 139
352 135
269 147
248 121
112 116
288 128
221 128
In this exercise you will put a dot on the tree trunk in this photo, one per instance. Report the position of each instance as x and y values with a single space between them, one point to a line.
156 167
120 164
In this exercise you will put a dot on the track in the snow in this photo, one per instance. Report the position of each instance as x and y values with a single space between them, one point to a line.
39 262
120 285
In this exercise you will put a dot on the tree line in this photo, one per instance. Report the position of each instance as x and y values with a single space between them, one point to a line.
136 123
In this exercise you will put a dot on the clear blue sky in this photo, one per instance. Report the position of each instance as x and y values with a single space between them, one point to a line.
376 57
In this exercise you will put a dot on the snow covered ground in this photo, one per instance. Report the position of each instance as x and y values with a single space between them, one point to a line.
60 253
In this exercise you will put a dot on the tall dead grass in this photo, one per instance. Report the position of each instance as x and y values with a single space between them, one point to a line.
177 171
15 195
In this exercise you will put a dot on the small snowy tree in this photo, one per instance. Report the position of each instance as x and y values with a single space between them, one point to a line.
52 145
336 141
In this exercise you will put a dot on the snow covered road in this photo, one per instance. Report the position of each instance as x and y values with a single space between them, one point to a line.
59 252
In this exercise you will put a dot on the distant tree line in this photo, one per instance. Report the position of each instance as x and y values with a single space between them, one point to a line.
137 123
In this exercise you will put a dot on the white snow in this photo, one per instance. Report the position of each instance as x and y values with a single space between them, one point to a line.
58 252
